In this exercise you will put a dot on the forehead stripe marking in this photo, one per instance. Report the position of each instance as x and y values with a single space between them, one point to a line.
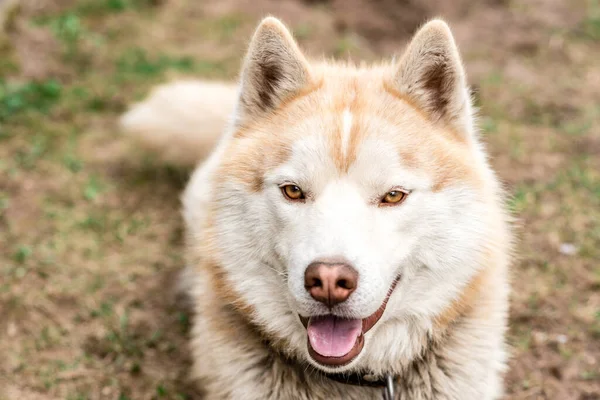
346 128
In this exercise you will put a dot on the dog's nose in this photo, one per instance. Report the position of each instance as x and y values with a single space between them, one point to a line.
330 283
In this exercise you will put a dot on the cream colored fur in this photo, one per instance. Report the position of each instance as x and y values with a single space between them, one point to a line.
346 135
182 121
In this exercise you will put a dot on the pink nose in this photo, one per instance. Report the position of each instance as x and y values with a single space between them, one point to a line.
330 283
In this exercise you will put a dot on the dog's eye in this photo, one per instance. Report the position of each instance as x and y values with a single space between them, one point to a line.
393 198
292 192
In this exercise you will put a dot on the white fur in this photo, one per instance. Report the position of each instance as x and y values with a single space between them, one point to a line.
438 240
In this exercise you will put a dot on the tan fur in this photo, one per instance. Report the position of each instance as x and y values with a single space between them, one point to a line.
251 346
467 299
346 87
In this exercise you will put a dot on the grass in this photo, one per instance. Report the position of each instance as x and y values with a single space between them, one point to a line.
591 23
345 46
77 217
35 96
224 27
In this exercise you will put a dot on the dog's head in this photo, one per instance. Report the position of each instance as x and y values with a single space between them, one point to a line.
352 200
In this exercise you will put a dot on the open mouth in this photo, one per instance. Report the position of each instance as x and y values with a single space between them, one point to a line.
336 341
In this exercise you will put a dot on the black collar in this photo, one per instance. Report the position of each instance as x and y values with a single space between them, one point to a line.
386 384
358 379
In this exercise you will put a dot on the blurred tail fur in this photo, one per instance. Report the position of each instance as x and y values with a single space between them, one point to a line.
181 121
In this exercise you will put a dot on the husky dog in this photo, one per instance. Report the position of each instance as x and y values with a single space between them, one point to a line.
345 232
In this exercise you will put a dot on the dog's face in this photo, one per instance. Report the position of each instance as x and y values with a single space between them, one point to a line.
350 201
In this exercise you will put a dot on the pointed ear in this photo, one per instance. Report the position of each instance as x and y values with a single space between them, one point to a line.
430 73
274 70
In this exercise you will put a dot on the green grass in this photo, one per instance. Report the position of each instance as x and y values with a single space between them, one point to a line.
345 46
522 198
101 7
34 96
223 28
136 62
44 128
591 23
22 253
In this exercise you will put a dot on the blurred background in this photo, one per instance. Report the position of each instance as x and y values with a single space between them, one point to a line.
90 234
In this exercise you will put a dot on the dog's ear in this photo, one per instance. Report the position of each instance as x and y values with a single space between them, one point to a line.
274 70
430 73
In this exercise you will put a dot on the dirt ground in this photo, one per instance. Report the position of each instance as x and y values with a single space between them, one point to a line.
90 235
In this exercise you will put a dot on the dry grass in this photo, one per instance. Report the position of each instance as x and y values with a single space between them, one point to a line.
89 228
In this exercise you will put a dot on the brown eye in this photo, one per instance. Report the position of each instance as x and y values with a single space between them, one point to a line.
292 192
393 198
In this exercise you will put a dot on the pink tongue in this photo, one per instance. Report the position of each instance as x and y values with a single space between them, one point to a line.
331 336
